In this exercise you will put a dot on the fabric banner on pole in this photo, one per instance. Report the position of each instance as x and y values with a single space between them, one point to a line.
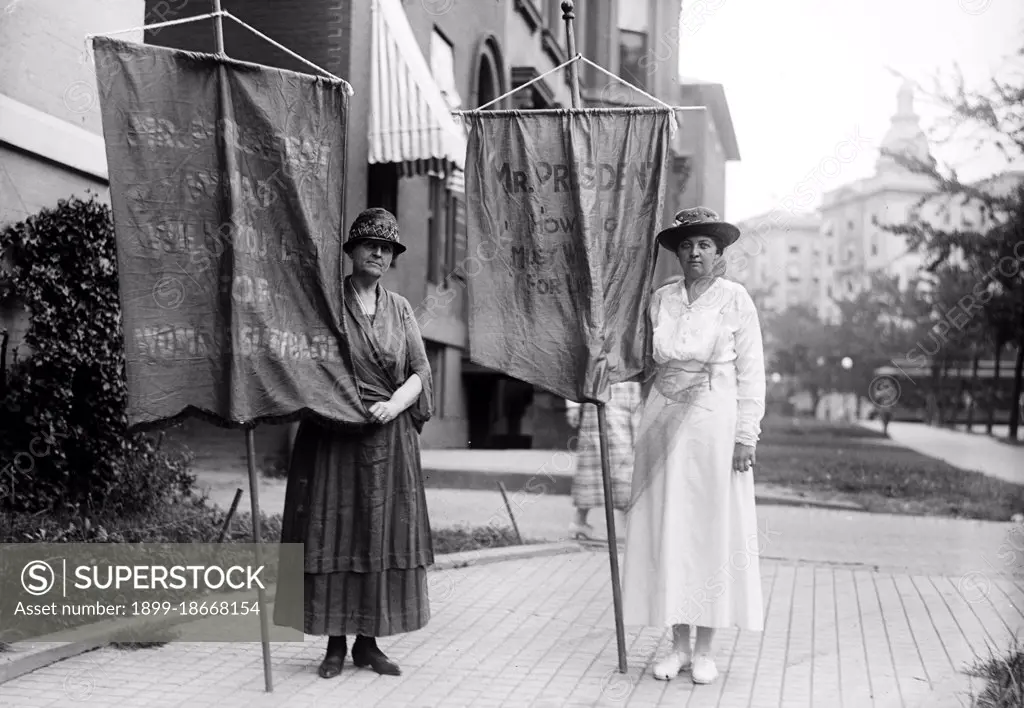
564 208
227 183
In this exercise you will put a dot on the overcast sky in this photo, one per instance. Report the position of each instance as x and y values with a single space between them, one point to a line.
803 76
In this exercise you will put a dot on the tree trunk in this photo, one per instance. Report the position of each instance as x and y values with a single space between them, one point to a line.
961 390
3 363
940 394
973 391
815 400
1015 404
994 387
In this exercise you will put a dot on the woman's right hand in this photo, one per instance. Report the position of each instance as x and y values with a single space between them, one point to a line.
742 458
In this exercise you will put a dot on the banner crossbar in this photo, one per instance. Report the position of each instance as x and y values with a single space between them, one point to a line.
219 14
522 86
157 25
596 109
564 65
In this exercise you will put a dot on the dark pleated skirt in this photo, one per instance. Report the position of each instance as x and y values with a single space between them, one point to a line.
357 503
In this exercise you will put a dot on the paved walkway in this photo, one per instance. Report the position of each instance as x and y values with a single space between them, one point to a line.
862 610
540 633
968 451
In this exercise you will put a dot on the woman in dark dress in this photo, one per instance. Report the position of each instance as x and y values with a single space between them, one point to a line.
356 500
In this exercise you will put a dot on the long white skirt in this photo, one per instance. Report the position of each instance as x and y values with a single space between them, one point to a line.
692 543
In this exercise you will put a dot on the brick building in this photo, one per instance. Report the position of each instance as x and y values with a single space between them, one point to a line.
427 57
51 144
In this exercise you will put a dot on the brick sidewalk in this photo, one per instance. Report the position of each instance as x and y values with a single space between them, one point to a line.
540 633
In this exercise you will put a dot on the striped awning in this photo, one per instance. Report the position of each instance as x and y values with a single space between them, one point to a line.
410 122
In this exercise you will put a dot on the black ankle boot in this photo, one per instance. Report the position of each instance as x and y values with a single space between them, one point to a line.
334 661
365 652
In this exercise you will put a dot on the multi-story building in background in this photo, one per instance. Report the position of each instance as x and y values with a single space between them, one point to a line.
427 57
819 257
782 266
854 215
471 52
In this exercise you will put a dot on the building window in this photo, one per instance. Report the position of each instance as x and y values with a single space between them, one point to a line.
382 187
830 291
435 355
794 249
442 66
830 259
634 26
874 249
486 89
441 218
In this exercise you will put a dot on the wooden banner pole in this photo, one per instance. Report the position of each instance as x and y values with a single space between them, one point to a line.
254 498
250 439
219 26
568 15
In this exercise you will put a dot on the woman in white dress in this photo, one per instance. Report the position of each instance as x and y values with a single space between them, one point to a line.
692 553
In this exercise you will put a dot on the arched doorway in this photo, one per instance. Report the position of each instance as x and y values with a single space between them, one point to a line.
486 91
489 81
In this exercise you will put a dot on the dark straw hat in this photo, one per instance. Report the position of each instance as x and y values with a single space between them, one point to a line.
374 225
699 221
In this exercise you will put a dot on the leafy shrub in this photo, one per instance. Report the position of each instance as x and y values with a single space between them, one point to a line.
64 443
187 519
459 539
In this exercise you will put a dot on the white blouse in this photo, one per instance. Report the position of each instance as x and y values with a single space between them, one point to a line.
720 327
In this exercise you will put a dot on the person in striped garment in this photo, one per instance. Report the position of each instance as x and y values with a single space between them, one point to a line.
622 413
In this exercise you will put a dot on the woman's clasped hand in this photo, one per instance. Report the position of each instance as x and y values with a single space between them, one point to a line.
384 411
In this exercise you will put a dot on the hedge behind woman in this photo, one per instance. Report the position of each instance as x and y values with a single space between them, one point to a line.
356 499
692 551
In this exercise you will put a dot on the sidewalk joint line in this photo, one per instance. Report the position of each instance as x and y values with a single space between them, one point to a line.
839 643
863 635
760 650
888 640
956 621
913 634
931 617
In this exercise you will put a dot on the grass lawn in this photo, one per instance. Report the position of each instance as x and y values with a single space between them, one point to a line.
861 465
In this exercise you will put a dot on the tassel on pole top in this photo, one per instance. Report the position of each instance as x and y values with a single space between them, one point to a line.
569 14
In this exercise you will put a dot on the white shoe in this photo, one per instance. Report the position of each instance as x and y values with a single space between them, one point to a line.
669 667
581 532
704 670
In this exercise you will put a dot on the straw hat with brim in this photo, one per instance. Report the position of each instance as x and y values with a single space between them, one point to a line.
376 224
699 221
